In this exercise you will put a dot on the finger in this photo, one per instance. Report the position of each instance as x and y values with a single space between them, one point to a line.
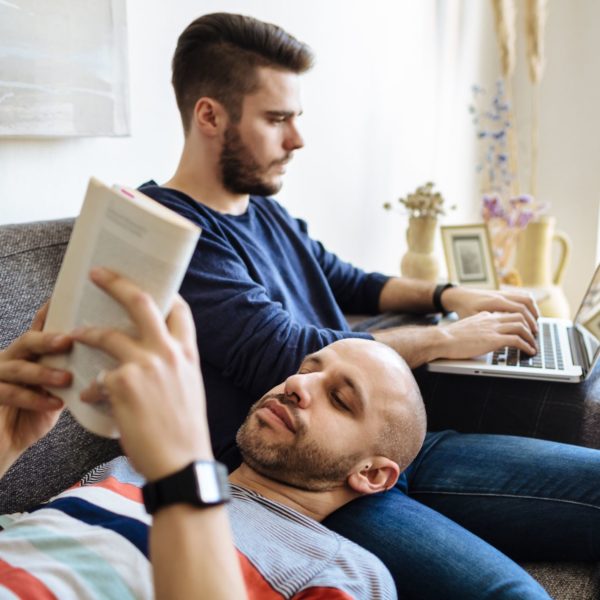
527 314
511 317
510 306
36 343
514 341
525 299
521 330
93 394
27 398
180 324
40 317
140 307
24 372
519 318
518 332
112 341
519 327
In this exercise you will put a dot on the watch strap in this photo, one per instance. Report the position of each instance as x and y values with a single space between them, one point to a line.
437 297
201 483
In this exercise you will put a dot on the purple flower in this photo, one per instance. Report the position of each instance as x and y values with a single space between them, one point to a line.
524 218
522 199
492 207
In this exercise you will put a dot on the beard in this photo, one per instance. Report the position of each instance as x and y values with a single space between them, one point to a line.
301 463
240 172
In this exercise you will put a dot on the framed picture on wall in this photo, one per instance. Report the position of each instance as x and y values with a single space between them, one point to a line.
468 253
63 68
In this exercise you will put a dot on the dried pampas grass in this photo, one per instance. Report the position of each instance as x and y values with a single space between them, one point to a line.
505 16
535 24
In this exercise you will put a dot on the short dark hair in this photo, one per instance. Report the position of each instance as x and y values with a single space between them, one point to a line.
217 56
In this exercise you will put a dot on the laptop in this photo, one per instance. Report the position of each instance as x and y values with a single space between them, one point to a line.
568 350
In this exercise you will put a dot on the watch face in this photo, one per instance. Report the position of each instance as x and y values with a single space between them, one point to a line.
209 488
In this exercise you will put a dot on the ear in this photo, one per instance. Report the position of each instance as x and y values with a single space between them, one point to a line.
374 475
209 117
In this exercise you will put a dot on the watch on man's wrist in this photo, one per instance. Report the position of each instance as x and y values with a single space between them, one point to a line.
202 483
437 297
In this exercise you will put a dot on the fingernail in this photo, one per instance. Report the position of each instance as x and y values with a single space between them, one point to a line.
58 341
55 402
98 273
57 377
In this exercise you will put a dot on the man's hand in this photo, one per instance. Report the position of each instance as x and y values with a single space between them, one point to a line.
469 337
485 332
467 302
27 411
156 392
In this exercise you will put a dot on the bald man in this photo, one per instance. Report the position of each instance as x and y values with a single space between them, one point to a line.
344 426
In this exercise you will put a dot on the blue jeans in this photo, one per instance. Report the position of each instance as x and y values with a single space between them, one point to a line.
471 501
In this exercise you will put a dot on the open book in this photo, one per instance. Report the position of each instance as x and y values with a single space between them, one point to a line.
127 232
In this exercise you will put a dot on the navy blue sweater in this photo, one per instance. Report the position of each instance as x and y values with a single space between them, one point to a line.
263 295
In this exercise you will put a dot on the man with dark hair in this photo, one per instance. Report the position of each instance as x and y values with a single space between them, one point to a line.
306 453
217 56
264 295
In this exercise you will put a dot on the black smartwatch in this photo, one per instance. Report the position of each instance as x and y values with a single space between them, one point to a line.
202 483
437 297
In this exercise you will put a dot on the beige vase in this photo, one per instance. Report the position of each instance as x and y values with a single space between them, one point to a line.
534 264
420 262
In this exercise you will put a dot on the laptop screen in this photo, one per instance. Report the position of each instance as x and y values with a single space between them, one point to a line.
587 319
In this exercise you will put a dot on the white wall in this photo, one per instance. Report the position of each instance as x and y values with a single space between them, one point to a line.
369 124
569 162
385 111
569 142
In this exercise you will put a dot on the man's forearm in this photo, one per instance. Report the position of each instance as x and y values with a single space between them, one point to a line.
401 294
205 564
417 345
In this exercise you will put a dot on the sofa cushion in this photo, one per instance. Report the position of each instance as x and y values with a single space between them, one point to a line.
30 257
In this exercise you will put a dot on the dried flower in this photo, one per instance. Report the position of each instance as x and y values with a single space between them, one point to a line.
505 212
423 202
492 126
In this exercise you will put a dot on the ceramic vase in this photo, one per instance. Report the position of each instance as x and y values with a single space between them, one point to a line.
420 262
534 263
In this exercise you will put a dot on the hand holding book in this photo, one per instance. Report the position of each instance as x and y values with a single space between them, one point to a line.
133 235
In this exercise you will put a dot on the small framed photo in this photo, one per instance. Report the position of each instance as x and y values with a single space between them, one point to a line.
469 258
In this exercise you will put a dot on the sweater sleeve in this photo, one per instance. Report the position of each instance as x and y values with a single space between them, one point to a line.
248 337
356 292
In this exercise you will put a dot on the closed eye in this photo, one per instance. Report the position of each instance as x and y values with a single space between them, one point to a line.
339 402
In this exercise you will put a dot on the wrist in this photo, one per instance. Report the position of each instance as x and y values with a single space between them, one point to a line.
200 484
434 343
440 297
443 342
171 464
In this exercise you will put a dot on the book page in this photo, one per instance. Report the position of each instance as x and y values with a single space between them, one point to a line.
114 232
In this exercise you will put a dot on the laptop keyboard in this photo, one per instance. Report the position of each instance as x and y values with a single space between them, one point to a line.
549 354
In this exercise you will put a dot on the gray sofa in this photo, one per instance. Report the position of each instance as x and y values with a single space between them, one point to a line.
30 256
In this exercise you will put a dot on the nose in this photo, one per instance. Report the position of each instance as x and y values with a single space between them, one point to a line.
293 140
300 389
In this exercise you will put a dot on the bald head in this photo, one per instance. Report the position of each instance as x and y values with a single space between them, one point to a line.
396 394
352 406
